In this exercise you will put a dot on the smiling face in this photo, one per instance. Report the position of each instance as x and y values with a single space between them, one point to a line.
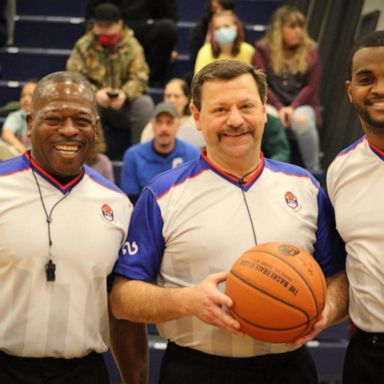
231 118
62 126
366 88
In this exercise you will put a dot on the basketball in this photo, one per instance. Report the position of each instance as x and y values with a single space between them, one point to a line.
278 291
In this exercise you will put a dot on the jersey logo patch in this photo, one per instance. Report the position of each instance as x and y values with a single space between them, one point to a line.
107 213
177 161
131 248
291 200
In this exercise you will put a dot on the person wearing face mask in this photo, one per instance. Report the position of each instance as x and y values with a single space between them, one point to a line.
112 60
226 41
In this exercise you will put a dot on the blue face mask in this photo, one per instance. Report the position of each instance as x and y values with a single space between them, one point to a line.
226 35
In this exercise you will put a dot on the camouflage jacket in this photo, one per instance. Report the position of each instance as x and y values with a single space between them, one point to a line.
122 66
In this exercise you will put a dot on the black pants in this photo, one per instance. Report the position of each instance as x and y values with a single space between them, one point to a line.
123 127
364 360
158 38
90 369
187 366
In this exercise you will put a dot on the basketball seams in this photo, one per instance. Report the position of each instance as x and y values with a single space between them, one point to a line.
296 291
271 296
305 324
301 276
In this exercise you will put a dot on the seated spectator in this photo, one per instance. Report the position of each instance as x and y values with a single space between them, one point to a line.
154 25
226 41
176 92
97 158
113 61
14 132
274 143
144 161
291 61
200 30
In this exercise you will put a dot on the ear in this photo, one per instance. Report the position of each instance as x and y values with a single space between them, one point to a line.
196 115
29 119
348 88
264 106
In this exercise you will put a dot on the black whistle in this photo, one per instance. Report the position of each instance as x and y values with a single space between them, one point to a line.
50 269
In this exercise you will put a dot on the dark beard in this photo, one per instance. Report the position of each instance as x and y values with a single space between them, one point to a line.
371 124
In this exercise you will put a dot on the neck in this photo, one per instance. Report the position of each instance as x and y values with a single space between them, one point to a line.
238 168
376 139
226 49
163 149
63 180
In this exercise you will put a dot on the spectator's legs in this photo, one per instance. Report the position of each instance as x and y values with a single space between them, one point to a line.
10 16
304 127
158 39
139 111
123 128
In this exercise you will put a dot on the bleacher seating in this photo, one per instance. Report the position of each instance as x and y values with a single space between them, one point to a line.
45 31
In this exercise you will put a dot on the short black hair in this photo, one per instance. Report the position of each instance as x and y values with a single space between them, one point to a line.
46 83
374 39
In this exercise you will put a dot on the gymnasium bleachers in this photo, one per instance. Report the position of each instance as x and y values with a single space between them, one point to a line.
45 31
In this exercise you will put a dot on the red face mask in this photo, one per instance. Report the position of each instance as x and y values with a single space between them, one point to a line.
108 40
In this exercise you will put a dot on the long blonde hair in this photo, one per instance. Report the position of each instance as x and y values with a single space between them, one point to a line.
298 60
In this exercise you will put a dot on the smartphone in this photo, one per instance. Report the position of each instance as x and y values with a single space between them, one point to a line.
112 94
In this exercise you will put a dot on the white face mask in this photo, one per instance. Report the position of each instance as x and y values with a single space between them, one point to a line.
225 35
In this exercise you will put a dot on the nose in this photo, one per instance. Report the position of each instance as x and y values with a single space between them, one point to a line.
171 99
68 127
235 118
378 87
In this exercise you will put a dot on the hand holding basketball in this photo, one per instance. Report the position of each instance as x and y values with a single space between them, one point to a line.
278 292
209 304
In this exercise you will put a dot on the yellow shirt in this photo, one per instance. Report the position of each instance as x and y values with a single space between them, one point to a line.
205 56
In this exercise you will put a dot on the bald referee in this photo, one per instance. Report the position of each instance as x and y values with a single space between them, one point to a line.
191 223
61 227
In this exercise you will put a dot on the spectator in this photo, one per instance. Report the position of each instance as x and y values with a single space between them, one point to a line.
200 31
274 143
14 131
143 162
191 223
154 25
61 229
176 92
226 41
97 158
291 61
110 57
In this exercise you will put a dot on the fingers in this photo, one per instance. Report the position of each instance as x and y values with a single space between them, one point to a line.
310 333
210 304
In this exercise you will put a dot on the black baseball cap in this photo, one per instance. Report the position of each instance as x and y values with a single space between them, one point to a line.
107 13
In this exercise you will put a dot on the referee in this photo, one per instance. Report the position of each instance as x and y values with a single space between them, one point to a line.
61 227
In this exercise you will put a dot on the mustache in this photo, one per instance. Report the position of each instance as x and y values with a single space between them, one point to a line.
230 130
379 99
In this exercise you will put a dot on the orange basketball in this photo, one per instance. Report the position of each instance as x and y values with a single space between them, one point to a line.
278 291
